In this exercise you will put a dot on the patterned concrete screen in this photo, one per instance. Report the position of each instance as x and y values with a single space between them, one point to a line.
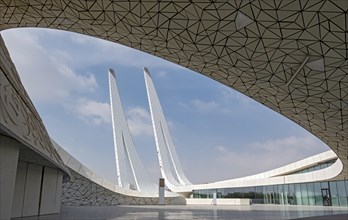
80 191
290 55
87 188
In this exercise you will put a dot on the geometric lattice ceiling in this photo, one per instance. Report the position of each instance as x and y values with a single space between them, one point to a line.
290 55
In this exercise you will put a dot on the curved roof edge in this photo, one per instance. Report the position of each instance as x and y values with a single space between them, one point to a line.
281 175
293 167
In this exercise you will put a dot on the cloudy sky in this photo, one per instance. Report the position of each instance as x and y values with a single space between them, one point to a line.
219 133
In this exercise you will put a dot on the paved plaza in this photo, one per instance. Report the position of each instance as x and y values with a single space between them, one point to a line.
197 212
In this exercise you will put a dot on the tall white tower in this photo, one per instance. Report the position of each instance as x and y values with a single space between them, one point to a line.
130 171
168 160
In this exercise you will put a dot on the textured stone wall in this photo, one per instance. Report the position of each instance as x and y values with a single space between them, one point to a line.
80 191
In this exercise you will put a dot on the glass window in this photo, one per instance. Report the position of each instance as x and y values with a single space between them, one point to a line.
317 194
334 193
276 194
342 193
304 194
286 194
281 194
204 194
230 193
219 193
227 193
270 195
292 195
265 196
324 185
298 194
258 195
251 193
310 191
240 193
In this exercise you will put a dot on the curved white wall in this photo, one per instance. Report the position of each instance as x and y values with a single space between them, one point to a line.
280 175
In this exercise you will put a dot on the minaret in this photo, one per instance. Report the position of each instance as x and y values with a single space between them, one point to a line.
168 160
130 171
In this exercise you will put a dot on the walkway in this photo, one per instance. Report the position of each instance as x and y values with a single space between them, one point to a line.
258 212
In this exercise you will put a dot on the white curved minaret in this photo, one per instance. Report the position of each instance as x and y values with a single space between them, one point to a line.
130 171
168 159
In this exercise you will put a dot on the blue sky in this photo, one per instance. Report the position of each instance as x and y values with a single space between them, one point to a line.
219 133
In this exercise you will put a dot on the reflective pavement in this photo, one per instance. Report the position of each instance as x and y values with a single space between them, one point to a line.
196 212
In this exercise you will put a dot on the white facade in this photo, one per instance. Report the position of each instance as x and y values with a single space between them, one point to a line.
168 159
131 173
282 174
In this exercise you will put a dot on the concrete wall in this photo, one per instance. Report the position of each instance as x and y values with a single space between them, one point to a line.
26 189
82 191
48 195
21 177
32 190
38 190
9 150
59 191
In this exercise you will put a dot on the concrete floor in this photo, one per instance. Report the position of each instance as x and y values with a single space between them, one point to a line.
197 212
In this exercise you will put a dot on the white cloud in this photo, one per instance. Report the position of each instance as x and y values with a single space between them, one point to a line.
228 94
43 74
269 154
139 121
104 52
205 106
255 157
226 98
162 74
92 112
212 107
288 144
221 149
80 39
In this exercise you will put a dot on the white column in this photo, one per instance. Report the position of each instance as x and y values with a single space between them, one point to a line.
28 190
59 191
161 192
214 202
48 192
9 151
17 204
32 190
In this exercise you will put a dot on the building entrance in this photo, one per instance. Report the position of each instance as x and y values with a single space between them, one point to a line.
326 194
